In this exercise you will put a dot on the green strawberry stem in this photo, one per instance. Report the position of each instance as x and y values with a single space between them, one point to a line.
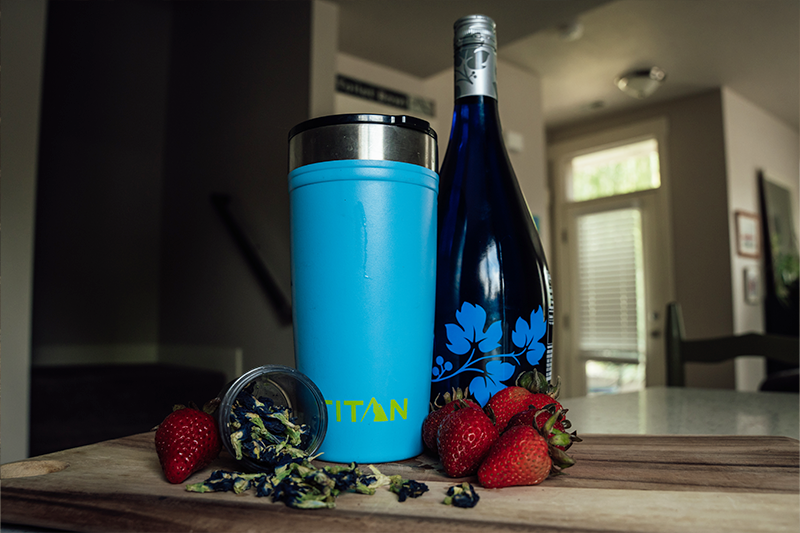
548 426
560 458
211 406
457 394
490 413
537 383
556 437
559 438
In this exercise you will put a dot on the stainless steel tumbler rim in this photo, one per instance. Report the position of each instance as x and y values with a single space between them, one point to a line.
363 136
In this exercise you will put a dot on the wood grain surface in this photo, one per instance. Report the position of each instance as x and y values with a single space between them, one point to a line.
620 483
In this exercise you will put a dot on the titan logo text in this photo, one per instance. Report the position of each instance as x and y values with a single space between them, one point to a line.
354 410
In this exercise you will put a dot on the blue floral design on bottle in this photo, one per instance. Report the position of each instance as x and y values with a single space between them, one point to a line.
470 337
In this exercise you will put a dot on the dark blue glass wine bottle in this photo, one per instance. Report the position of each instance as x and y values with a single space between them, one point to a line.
494 302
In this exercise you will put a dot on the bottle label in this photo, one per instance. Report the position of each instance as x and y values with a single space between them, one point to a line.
470 344
475 71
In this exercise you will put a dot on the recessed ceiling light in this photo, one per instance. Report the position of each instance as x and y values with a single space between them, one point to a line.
641 83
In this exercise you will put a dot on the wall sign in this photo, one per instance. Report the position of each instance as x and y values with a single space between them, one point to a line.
368 91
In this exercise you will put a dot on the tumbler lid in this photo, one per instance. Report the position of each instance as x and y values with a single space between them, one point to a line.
400 138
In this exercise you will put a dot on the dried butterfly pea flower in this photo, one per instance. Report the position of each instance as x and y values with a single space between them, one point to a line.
264 432
299 493
264 486
301 485
380 480
243 482
343 477
219 481
223 481
271 436
462 495
350 478
407 488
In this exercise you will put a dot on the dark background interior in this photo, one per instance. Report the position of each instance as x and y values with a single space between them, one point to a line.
148 109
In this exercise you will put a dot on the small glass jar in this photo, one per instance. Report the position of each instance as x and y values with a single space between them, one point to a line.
286 387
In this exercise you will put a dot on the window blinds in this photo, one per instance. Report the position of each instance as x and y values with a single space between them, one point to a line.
610 279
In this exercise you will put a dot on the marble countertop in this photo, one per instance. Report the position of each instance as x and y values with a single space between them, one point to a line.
686 411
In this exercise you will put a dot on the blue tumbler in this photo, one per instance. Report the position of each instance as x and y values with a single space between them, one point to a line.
363 192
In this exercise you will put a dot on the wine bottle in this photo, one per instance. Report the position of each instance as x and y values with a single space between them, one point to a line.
494 301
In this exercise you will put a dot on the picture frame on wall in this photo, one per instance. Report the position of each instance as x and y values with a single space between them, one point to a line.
748 234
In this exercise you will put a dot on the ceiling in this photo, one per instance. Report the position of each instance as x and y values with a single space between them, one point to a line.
750 46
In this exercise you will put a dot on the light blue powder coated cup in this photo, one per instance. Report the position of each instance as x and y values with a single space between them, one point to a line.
363 193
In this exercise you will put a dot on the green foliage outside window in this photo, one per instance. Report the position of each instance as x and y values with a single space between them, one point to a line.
636 170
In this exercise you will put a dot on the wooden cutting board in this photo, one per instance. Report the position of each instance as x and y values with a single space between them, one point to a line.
620 483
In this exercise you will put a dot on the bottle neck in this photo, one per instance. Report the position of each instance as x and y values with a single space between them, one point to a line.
475 120
479 110
475 71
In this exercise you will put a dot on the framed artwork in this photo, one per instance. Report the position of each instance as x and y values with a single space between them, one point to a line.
781 256
748 234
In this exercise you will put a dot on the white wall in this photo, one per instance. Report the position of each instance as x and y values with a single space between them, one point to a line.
324 47
754 140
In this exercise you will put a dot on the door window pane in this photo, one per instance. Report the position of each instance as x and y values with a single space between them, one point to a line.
620 170
603 377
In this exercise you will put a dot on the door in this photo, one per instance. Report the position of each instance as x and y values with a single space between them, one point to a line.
613 266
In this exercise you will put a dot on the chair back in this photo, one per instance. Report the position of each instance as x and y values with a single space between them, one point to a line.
674 337
679 350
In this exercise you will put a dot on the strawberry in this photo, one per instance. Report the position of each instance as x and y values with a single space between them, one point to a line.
465 437
519 457
508 402
187 441
532 391
430 426
541 402
522 455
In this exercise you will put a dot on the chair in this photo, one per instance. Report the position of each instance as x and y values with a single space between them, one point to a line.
779 348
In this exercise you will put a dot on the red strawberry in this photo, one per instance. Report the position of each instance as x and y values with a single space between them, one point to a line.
187 441
508 402
531 390
519 457
430 426
523 456
539 402
464 439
